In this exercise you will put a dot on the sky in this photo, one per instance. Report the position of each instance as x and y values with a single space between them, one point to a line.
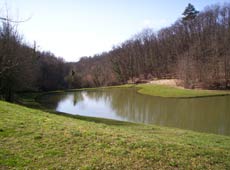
72 29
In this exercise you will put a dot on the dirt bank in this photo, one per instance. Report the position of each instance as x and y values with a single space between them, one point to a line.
168 82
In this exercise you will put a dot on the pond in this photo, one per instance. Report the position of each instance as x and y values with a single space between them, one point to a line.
207 114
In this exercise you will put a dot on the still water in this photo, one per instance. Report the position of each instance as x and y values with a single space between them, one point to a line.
208 114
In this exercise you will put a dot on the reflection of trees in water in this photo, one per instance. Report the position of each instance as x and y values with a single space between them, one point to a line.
51 100
77 97
202 114
97 95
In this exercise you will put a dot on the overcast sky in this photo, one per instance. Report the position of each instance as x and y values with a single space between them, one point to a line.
75 28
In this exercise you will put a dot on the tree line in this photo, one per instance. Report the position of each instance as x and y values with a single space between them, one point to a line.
24 68
195 49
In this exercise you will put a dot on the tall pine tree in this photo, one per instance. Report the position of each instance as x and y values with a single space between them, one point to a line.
189 13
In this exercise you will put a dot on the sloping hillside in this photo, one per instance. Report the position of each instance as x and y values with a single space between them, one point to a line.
33 139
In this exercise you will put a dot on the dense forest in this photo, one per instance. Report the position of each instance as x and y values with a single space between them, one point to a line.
195 49
23 68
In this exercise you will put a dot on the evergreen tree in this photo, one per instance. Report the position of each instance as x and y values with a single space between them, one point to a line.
189 13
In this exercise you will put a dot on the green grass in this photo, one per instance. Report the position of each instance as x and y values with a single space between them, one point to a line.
29 99
34 139
168 91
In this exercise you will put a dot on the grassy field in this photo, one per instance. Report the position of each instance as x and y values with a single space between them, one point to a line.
168 91
34 139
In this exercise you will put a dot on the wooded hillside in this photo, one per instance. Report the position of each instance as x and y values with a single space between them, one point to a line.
23 68
195 49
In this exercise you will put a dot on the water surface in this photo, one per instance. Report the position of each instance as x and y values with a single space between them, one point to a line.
208 114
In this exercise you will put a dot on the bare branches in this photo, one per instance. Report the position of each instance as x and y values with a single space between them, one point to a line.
14 21
6 68
196 51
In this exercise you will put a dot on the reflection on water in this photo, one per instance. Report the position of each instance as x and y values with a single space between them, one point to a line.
209 114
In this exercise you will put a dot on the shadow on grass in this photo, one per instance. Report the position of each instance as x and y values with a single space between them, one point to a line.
32 102
93 119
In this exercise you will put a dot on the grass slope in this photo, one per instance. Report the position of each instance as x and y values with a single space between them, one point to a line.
168 91
33 139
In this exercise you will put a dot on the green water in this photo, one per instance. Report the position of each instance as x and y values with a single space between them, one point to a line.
208 114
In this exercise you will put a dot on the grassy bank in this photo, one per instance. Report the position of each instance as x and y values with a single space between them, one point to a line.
28 99
33 139
168 91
